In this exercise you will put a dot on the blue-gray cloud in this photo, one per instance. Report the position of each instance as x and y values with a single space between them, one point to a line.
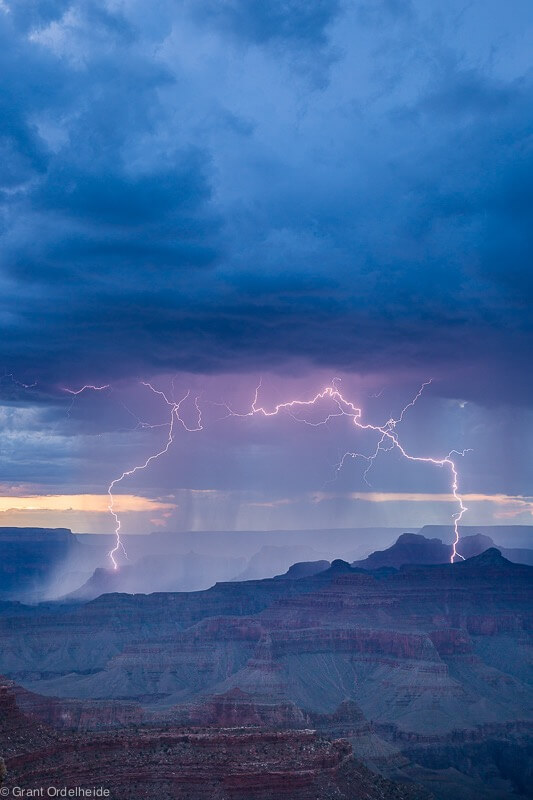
226 186
295 21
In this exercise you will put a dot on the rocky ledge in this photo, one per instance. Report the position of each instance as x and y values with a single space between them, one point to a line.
189 764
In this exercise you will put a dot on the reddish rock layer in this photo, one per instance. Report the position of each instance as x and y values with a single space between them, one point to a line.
179 764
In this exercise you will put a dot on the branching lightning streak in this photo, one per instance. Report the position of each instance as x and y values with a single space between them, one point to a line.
387 433
388 440
17 382
87 386
76 392
174 418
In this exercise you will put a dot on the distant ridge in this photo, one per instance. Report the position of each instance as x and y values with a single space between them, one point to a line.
35 534
515 536
414 548
488 558
29 558
304 569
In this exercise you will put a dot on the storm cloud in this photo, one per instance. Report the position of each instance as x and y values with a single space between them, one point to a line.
232 186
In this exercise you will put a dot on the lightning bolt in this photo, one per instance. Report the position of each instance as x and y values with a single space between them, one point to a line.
387 432
17 382
342 407
86 388
174 418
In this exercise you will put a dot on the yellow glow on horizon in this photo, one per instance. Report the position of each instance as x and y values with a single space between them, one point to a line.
436 497
510 505
89 512
86 503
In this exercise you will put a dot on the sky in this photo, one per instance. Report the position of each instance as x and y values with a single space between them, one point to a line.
209 194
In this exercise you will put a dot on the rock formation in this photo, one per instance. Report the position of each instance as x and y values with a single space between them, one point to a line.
414 667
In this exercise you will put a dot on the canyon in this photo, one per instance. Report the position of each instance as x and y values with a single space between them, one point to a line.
188 764
423 672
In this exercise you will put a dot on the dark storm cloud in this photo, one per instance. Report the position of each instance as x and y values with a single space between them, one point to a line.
225 186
